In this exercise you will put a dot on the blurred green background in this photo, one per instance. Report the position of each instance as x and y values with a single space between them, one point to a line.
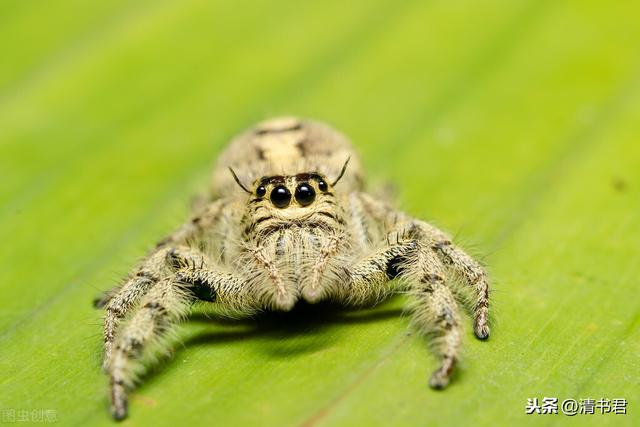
513 124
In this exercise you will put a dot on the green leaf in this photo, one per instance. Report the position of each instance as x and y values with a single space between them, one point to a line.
512 124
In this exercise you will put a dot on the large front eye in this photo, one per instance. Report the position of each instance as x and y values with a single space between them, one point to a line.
305 194
281 197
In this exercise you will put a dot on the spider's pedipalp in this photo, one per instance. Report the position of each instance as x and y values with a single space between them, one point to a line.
313 290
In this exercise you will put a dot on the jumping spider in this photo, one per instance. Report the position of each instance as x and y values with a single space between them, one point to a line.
301 229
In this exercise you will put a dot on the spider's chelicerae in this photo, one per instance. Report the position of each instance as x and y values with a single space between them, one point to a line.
288 220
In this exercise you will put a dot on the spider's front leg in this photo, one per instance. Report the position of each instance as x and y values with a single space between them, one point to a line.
433 305
121 300
424 258
456 261
160 309
435 311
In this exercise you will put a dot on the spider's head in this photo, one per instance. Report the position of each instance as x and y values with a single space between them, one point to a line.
298 191
303 198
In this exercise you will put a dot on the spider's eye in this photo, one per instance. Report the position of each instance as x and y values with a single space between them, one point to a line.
261 191
281 197
305 194
322 185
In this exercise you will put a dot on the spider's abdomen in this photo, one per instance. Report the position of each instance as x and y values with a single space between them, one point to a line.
286 146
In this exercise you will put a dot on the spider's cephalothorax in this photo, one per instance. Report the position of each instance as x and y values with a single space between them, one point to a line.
295 222
287 219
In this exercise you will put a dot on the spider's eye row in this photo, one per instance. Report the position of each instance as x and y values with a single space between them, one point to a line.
305 194
261 191
280 197
322 185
